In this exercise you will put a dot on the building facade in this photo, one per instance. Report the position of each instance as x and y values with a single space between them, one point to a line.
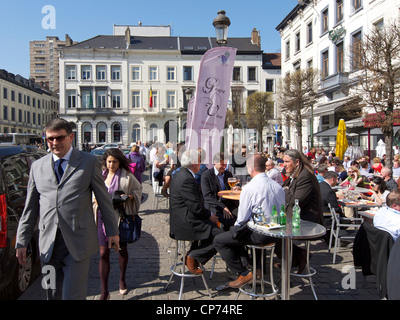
25 106
125 88
320 34
44 59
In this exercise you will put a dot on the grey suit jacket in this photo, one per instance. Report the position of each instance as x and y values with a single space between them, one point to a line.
67 205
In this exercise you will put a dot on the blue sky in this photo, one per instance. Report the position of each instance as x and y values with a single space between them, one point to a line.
21 21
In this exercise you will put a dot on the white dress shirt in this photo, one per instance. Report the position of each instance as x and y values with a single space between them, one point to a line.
261 190
388 219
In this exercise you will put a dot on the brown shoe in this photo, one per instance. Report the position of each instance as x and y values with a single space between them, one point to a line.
241 281
192 265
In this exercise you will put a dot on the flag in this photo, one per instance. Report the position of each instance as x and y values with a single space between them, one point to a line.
90 99
207 118
151 98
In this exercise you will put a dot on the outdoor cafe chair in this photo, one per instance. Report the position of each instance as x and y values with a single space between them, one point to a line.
340 230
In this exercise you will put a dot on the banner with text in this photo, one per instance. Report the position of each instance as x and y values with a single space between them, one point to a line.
208 111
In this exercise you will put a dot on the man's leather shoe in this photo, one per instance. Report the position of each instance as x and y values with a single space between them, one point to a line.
192 265
241 281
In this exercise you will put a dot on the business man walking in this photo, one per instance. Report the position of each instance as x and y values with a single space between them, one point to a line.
60 195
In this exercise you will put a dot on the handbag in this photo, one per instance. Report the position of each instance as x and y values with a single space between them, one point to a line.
130 228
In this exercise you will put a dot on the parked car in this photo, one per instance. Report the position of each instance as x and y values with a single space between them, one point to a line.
15 163
111 145
98 152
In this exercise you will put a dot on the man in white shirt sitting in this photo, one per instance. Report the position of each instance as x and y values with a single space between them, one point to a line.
388 217
263 191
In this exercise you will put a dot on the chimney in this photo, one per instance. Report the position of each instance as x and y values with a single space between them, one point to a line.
255 37
68 40
128 37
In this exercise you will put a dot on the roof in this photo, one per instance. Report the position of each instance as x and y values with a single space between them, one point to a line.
187 45
292 15
272 61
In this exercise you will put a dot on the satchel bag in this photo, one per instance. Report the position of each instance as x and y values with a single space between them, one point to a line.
130 228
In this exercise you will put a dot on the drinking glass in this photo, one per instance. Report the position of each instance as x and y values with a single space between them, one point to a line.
232 182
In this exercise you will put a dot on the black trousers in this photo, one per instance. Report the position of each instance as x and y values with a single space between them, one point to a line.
204 250
233 250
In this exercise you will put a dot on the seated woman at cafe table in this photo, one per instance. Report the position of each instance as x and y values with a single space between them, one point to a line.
354 176
379 191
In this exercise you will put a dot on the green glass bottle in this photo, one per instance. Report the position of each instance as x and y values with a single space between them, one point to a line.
274 215
296 214
282 216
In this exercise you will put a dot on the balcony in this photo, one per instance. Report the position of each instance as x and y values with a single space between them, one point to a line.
95 112
336 82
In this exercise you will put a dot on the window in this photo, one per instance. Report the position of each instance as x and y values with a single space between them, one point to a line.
309 33
171 99
71 99
357 48
325 64
187 73
297 49
357 4
340 57
13 114
378 25
236 74
136 132
86 72
153 75
135 73
269 85
252 73
339 11
116 98
116 132
155 99
101 132
135 99
325 21
86 99
20 116
310 64
71 72
287 49
101 98
101 72
5 93
115 73
5 112
171 73
87 132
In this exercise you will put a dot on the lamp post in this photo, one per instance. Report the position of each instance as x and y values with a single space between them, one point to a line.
221 24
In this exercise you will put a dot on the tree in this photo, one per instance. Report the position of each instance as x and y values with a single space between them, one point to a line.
296 95
259 111
376 57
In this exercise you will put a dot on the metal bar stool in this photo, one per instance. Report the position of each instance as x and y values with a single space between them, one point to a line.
310 271
253 293
182 272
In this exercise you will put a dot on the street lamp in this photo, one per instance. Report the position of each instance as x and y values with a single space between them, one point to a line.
221 24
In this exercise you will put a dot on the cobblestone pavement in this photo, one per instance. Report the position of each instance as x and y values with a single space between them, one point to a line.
152 256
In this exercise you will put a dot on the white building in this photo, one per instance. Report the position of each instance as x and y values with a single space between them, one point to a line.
319 34
105 83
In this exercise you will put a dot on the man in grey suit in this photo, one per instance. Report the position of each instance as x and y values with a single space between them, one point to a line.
60 195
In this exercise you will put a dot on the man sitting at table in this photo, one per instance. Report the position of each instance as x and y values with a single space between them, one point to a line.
391 184
328 195
388 217
231 245
212 181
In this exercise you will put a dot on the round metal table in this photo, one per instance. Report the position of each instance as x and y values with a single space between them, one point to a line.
308 230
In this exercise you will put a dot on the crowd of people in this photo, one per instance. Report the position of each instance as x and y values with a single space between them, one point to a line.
70 193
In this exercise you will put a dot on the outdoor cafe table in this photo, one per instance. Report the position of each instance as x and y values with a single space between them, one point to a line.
230 194
308 230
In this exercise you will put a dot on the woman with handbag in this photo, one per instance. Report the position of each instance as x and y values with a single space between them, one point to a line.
117 178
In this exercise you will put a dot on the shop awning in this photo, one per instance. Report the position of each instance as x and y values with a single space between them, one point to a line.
375 120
